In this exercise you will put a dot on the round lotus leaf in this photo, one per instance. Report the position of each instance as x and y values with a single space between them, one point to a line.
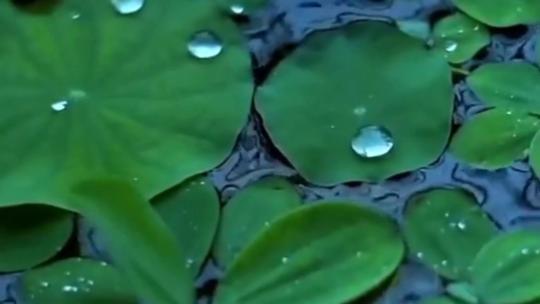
445 229
495 139
251 211
75 281
511 85
319 254
368 77
506 269
191 212
31 234
459 37
501 13
154 96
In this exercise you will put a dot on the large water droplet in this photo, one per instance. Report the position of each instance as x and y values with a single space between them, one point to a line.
126 7
59 106
205 45
372 141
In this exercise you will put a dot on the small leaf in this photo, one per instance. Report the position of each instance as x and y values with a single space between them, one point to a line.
501 13
31 234
75 281
138 240
318 254
445 229
506 269
440 300
459 37
191 211
510 85
495 139
251 211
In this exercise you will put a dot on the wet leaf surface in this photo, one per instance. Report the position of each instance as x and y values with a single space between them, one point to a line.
501 13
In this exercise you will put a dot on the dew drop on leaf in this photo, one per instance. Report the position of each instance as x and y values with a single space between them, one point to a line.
372 141
205 45
237 9
126 7
59 106
451 46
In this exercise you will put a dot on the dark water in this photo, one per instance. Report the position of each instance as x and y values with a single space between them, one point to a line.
510 196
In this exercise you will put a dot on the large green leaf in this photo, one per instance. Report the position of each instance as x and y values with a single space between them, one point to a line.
496 138
506 269
191 211
251 211
459 37
367 76
138 240
445 229
75 281
327 253
501 13
87 91
511 85
534 157
31 234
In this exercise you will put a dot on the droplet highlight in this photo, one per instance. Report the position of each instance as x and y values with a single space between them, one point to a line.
237 9
59 106
205 45
126 7
372 141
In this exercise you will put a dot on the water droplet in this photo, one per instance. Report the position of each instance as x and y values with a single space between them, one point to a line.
359 254
135 179
189 263
451 46
525 251
75 15
476 28
126 7
359 111
237 9
267 224
461 225
60 106
67 273
44 284
69 288
372 141
444 263
205 45
104 264
332 126
420 255
284 260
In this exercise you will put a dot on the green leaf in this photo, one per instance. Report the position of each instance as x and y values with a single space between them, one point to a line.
191 211
506 269
319 254
137 105
415 28
463 291
31 234
501 13
250 212
511 85
459 37
495 139
445 229
138 240
440 300
75 281
534 157
314 119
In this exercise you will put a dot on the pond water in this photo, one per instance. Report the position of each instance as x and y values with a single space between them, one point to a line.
510 196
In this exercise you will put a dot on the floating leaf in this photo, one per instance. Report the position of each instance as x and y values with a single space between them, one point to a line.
92 92
251 211
298 259
328 113
501 13
506 269
495 139
459 37
75 281
510 85
445 229
31 234
138 240
191 211
415 28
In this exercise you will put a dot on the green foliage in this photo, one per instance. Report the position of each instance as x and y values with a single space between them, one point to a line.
298 259
250 212
75 281
415 28
495 138
445 229
191 212
501 13
440 300
312 118
459 37
31 234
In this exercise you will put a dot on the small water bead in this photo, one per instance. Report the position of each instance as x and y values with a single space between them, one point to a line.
189 263
451 46
126 7
69 288
75 15
420 255
205 45
59 106
237 9
284 260
372 141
